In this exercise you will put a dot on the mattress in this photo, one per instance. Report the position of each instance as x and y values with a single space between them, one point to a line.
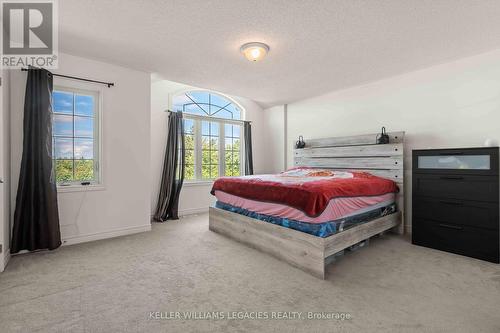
324 229
317 201
337 208
305 189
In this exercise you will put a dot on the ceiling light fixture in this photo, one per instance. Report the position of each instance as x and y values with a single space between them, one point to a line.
254 51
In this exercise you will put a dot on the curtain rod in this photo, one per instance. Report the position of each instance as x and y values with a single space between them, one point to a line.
109 84
214 118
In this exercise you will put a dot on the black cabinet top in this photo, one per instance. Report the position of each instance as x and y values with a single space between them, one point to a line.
471 149
474 161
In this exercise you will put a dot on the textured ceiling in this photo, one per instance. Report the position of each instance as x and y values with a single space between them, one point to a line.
316 45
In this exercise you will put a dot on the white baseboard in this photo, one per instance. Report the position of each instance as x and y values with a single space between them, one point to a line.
186 212
105 234
191 211
6 258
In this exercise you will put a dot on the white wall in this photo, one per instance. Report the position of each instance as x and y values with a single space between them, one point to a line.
275 138
455 104
5 170
196 198
123 206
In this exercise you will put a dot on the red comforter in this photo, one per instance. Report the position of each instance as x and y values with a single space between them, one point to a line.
308 190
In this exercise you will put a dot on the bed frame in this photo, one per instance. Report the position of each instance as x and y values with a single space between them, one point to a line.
308 252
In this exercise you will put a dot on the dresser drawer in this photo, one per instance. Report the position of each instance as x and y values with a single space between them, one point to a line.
461 187
465 240
472 161
462 212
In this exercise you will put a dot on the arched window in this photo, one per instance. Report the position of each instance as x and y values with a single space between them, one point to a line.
212 134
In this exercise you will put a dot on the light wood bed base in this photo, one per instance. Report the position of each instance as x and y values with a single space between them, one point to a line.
306 251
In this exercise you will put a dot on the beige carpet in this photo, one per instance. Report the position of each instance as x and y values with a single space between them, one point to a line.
113 285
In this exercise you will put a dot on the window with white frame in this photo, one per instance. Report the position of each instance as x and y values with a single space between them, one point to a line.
212 135
75 135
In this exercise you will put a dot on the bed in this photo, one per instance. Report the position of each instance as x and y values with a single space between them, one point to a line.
341 191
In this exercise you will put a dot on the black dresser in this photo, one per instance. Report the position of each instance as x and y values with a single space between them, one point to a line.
455 201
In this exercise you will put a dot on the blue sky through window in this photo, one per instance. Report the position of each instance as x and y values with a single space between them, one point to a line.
63 102
84 105
73 126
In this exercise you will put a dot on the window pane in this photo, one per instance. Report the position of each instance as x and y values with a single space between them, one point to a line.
224 114
209 171
236 158
237 114
188 142
63 148
84 105
221 111
84 126
236 131
62 102
232 130
205 157
205 171
64 170
219 100
232 158
189 171
205 128
210 156
207 142
84 170
229 169
214 143
236 171
189 156
236 144
214 157
84 149
235 111
189 126
214 129
214 109
214 171
206 104
229 157
228 130
232 144
199 96
63 125
209 128
195 109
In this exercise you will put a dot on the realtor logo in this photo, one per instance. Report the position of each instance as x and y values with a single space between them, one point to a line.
29 34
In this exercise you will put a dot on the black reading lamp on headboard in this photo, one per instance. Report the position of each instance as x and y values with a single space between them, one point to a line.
383 137
301 143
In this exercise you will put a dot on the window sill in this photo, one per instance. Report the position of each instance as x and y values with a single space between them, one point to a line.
198 183
80 188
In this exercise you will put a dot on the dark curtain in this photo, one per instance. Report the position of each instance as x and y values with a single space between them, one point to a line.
173 170
36 217
247 132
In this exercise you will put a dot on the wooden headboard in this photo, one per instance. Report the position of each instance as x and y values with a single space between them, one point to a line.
359 152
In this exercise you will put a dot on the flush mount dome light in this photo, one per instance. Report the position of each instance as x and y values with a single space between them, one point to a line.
254 51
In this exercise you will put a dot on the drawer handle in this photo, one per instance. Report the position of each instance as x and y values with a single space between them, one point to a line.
452 178
451 203
449 226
